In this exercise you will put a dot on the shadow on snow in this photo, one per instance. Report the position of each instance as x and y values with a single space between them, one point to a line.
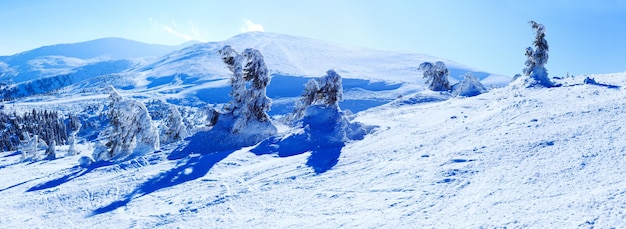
323 157
77 172
196 162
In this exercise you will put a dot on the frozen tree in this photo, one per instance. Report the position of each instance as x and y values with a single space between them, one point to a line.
51 151
130 129
237 83
436 75
173 126
72 142
256 71
331 89
327 90
470 86
538 57
248 104
170 122
309 95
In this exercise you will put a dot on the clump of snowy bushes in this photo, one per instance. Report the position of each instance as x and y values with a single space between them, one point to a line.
436 76
322 117
170 122
327 90
130 130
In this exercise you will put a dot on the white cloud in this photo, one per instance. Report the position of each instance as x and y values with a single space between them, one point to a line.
192 34
174 32
251 26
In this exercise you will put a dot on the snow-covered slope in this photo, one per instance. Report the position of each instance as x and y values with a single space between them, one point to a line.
299 56
63 58
513 157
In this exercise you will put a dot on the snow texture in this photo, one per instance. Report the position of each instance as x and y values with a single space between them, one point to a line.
512 157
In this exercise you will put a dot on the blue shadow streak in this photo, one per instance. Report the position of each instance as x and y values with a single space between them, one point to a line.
78 172
194 167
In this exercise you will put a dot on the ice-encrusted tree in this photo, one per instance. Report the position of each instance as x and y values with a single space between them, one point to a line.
257 73
174 128
237 83
331 88
436 75
327 90
538 57
169 121
130 129
248 82
50 153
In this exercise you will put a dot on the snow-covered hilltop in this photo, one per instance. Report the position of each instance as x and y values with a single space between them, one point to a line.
188 140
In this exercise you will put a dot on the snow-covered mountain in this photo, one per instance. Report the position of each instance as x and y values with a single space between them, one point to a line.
70 63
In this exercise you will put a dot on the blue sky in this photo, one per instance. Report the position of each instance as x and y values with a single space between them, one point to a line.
584 36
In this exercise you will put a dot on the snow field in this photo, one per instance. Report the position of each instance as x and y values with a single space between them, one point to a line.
513 157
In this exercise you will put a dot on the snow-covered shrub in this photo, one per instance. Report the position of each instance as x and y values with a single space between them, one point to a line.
436 75
85 161
50 153
72 142
327 90
537 58
174 127
130 130
470 86
170 122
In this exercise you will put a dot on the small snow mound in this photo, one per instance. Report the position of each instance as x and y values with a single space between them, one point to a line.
470 86
85 161
325 131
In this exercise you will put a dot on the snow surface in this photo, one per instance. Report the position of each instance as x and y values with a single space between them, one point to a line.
511 157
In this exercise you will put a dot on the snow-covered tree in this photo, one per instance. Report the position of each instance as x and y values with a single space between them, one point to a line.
470 86
237 83
538 57
51 151
248 104
169 120
71 151
327 90
256 71
309 95
331 88
173 126
130 129
436 75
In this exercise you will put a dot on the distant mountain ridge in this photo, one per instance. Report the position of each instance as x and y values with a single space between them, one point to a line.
109 48
62 59
194 66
